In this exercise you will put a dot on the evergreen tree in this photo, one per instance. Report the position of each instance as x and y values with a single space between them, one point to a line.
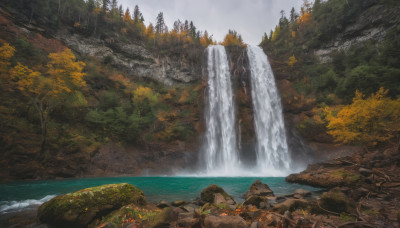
160 24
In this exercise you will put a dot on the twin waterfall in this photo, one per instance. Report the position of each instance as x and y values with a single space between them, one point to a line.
221 154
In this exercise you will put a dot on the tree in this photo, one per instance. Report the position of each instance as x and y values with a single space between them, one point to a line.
127 17
370 121
137 15
160 24
6 53
233 38
292 61
105 5
63 80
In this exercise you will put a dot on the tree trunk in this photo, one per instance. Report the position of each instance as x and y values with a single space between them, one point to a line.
43 116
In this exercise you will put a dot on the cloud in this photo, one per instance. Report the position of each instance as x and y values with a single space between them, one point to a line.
250 18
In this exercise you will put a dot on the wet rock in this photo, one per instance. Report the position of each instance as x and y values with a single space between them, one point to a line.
178 203
259 189
78 209
163 204
208 194
212 221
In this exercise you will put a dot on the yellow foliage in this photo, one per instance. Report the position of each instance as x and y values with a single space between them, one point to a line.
371 120
26 80
65 71
293 34
304 18
232 38
127 18
292 60
6 53
275 33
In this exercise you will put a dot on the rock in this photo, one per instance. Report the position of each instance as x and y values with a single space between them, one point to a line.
365 172
272 220
258 189
256 225
290 205
212 221
326 175
188 222
78 209
208 194
189 207
258 195
219 198
163 204
255 200
178 203
302 192
358 193
335 201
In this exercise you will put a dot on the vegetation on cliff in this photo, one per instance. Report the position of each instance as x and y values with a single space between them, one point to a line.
333 81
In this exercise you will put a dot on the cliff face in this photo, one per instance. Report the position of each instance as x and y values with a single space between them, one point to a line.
134 59
372 24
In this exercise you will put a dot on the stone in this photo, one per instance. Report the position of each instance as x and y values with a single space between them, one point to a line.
256 225
335 201
302 192
208 194
188 222
212 221
219 199
290 205
163 204
365 172
178 203
78 209
258 189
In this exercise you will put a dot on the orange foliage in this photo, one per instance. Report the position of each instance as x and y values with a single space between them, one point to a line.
119 78
371 120
304 18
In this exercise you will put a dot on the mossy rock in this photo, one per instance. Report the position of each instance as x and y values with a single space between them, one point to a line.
208 194
336 201
130 214
78 209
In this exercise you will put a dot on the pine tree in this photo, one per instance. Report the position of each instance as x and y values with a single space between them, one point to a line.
160 24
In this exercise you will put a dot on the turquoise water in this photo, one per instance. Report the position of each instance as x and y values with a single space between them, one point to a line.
20 195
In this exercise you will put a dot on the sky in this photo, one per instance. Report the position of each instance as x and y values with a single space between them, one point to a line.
250 18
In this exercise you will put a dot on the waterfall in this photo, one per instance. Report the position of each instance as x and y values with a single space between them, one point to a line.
272 149
221 154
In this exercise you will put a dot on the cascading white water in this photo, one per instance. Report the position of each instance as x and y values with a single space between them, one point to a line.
221 154
272 149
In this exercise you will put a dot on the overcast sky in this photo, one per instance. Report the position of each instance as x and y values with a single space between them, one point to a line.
250 18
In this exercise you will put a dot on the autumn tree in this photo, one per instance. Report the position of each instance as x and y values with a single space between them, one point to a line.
370 121
233 38
6 53
63 80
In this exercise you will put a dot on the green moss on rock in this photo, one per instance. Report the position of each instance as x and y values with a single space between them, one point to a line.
207 195
336 201
78 209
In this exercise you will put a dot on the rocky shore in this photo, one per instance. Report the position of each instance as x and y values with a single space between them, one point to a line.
361 190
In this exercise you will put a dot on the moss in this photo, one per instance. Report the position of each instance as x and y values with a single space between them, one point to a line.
128 214
81 207
335 201
348 177
207 195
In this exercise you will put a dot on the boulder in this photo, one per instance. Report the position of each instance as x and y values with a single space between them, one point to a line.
78 209
209 195
259 189
335 201
290 205
163 204
258 195
178 203
302 192
212 221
